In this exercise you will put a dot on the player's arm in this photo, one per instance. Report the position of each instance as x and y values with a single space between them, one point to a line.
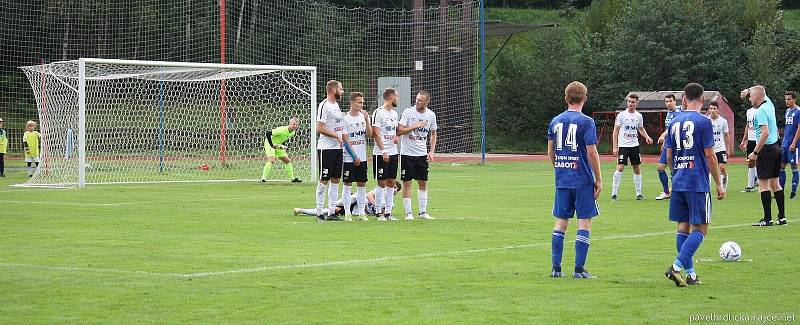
25 144
615 140
743 144
647 138
662 136
762 140
594 160
371 197
793 145
551 153
402 129
369 123
269 138
322 128
713 167
433 145
349 149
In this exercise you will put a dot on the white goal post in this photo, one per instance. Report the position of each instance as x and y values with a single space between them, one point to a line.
130 121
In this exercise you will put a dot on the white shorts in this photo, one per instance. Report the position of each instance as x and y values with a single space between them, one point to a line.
32 159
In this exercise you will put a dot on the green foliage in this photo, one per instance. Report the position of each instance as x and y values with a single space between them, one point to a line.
525 89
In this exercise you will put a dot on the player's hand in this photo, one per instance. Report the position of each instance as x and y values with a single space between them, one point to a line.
396 139
430 156
649 141
598 187
357 162
420 124
744 93
661 140
274 146
793 147
385 157
752 157
720 193
615 151
743 145
339 139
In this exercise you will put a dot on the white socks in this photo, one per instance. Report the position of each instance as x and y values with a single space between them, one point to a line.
346 199
320 197
389 199
751 177
333 196
422 198
615 184
361 199
407 204
379 199
637 181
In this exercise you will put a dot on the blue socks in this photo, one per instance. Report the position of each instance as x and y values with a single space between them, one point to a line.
662 176
688 249
581 249
680 238
557 244
782 177
795 180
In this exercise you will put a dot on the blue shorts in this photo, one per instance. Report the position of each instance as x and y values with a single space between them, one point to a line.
569 201
691 207
663 159
789 157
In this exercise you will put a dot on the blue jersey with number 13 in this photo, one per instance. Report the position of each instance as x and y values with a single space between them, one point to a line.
571 132
689 134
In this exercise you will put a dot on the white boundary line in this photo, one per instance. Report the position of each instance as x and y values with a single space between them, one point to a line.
330 263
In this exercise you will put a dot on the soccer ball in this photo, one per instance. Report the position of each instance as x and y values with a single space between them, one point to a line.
730 251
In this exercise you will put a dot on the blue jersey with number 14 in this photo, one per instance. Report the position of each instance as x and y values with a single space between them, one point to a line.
571 132
689 134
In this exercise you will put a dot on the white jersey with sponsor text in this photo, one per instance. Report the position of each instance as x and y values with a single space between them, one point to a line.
720 127
415 143
356 127
751 132
629 124
331 115
386 122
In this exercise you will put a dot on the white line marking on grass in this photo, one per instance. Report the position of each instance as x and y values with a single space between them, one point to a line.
332 263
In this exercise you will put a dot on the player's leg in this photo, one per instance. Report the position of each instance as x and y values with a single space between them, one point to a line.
768 167
795 175
752 174
407 175
29 162
636 162
622 160
422 192
324 179
679 205
586 209
379 174
267 168
361 200
662 176
784 161
699 208
305 211
391 175
289 168
722 162
2 165
349 176
336 174
563 210
688 250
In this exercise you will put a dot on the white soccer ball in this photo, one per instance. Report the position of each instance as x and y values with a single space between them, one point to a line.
730 251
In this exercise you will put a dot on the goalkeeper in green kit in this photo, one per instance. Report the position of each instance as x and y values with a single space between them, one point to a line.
274 147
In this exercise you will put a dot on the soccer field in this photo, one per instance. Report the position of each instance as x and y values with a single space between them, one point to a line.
234 253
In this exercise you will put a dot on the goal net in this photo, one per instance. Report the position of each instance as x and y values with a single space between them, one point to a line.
124 121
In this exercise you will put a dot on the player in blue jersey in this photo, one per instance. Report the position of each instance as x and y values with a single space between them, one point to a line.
690 149
672 110
790 136
572 148
767 155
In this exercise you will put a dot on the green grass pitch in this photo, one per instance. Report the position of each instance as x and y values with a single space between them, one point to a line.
234 253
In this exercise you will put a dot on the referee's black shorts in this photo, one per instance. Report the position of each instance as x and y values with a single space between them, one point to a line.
768 162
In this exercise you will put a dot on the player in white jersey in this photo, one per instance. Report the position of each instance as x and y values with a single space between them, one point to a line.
720 127
627 127
358 129
416 126
748 144
330 127
385 154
